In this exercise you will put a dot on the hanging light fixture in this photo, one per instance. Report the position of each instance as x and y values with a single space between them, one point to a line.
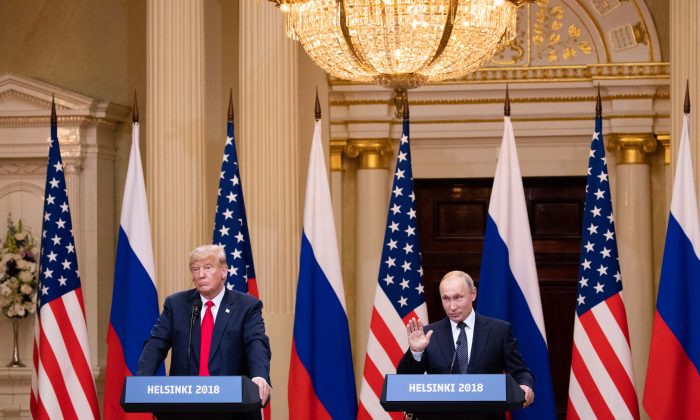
400 44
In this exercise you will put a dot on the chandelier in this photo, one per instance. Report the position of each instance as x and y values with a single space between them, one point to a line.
400 44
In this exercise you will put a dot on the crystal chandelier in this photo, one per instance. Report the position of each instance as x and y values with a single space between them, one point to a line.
400 44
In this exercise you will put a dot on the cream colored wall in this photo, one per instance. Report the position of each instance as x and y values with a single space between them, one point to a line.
96 48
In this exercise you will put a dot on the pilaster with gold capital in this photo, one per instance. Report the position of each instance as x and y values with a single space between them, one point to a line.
371 202
633 224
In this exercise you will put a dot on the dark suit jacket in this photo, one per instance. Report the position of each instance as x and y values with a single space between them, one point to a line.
494 350
239 345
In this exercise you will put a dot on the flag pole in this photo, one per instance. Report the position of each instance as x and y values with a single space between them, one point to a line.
317 107
506 106
598 105
135 118
686 103
230 104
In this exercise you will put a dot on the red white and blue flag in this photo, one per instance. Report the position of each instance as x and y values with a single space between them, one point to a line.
134 295
508 285
601 384
673 373
321 376
399 295
62 381
231 224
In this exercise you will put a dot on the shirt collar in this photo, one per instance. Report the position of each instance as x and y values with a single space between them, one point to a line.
469 321
217 299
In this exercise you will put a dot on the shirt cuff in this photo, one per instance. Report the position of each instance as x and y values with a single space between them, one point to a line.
417 355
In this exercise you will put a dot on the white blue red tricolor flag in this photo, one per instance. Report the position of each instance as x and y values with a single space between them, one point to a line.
673 373
601 384
508 285
62 382
134 295
399 295
231 224
321 377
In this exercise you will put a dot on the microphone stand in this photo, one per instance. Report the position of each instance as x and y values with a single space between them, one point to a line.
196 308
454 356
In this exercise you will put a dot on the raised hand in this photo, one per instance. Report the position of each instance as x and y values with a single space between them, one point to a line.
417 339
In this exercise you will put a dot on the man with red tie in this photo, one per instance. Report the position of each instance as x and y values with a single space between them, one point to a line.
211 330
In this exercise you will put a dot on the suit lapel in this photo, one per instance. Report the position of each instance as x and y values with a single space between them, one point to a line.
221 321
445 341
481 337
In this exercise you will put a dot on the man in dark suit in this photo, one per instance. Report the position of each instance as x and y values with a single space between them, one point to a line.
229 329
464 342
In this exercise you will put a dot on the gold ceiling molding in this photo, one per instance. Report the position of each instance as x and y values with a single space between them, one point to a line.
495 120
665 140
482 101
591 72
631 148
337 149
63 121
373 153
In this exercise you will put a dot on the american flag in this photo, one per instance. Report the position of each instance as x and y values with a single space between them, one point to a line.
601 382
400 295
62 382
230 223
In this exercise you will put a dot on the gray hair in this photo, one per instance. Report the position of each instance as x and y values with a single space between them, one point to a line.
203 252
460 275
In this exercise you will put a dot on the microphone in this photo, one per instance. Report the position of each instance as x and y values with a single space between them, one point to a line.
196 309
454 356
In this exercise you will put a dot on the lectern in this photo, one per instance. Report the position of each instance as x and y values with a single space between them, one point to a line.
489 393
187 396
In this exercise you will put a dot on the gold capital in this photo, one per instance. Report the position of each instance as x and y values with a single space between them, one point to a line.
337 149
665 140
631 148
373 153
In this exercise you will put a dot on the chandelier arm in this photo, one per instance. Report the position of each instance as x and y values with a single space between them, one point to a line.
447 33
348 39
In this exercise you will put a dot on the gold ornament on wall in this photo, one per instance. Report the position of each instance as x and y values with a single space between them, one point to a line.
549 38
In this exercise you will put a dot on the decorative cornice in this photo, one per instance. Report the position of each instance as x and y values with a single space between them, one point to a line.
631 148
29 99
592 72
484 101
495 120
337 149
63 121
22 166
665 140
373 153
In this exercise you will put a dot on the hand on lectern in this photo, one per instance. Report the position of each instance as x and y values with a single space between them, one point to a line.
529 395
263 388
417 339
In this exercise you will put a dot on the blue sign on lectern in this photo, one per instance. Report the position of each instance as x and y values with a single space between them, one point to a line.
189 394
462 393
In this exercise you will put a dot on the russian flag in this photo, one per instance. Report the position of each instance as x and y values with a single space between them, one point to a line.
321 378
134 297
508 286
673 373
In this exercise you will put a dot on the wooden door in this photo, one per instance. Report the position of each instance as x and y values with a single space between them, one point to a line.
452 219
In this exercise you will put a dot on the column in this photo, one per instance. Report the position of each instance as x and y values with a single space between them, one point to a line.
685 56
632 210
371 209
337 148
270 155
175 137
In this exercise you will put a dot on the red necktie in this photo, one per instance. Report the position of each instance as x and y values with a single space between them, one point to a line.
205 343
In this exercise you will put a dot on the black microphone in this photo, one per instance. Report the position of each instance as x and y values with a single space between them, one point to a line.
196 309
454 356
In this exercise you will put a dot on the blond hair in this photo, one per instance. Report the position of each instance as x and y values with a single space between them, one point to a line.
203 252
461 275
